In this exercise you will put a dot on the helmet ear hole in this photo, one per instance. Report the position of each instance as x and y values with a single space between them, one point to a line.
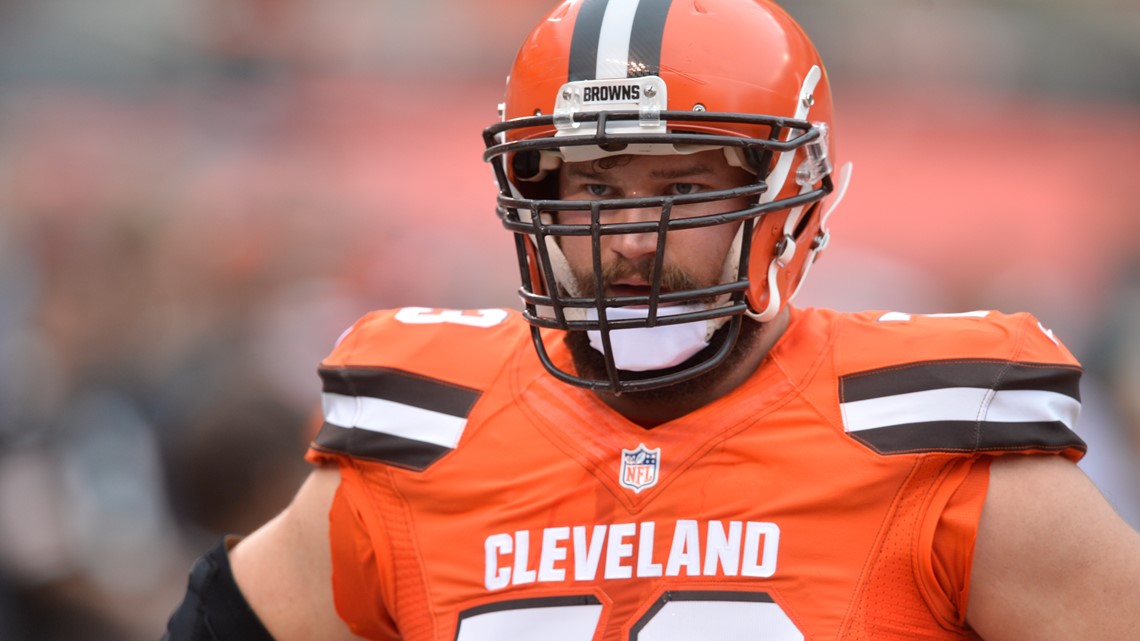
540 188
802 225
526 165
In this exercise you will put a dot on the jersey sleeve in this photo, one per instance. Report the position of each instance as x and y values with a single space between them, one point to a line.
973 383
396 394
962 388
400 385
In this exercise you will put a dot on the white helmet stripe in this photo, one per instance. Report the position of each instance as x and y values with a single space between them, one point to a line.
784 164
613 39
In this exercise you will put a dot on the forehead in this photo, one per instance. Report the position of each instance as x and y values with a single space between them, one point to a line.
705 163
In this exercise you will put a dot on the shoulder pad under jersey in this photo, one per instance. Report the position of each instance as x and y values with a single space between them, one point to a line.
400 384
973 382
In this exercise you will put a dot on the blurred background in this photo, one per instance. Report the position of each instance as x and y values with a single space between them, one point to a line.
198 196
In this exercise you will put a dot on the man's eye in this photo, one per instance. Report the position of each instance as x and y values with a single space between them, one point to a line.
683 189
597 190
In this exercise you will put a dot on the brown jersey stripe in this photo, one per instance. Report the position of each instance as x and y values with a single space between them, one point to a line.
377 446
982 374
970 436
399 387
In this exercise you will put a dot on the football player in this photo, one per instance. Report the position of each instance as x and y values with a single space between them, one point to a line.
660 446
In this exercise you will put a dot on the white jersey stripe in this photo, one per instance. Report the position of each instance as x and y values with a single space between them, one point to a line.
1017 406
613 40
396 419
961 404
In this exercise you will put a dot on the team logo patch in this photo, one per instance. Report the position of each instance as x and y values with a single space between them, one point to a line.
640 467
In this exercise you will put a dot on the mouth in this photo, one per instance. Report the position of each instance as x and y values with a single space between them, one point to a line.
636 290
624 290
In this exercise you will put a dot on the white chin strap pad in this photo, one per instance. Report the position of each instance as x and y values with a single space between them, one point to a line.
651 348
561 268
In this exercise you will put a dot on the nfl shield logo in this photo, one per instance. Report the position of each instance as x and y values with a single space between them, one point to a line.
639 467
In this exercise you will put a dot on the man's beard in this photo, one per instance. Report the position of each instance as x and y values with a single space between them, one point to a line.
672 279
590 363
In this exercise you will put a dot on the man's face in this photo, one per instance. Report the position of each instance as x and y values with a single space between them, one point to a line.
693 257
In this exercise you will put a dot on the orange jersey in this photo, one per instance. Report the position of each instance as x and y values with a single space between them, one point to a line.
834 495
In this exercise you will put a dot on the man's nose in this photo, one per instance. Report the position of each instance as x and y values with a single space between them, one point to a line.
635 245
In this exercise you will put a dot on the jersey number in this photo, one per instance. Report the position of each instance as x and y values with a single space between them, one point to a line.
676 616
896 317
471 317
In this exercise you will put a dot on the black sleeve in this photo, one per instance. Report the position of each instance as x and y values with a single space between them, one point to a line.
214 608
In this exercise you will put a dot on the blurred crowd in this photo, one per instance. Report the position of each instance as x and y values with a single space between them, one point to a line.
198 196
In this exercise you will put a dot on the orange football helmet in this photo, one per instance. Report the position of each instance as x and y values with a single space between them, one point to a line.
609 77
